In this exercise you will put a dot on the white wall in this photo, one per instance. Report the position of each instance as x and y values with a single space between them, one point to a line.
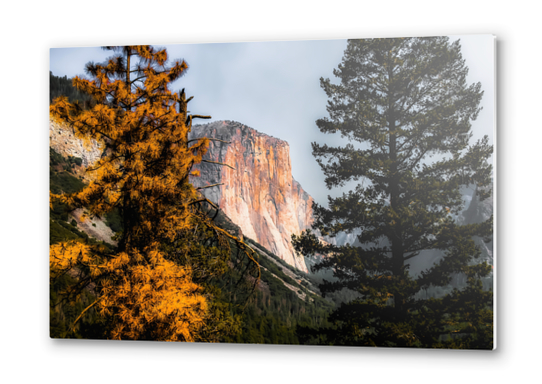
28 31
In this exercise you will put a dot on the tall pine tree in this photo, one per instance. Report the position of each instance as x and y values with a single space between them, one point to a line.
406 108
155 284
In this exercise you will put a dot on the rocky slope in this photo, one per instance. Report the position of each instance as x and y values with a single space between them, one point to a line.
62 140
260 194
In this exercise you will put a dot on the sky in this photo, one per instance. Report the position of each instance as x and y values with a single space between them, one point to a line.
274 87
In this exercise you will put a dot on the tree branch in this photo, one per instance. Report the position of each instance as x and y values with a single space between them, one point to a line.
209 186
81 314
216 162
223 141
205 200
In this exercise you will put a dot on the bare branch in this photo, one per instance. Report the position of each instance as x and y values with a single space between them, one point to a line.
81 314
204 200
223 141
209 186
216 162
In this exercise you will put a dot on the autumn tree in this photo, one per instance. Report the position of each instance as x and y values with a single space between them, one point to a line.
406 108
154 284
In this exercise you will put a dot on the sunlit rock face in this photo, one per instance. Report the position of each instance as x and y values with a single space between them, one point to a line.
260 194
63 140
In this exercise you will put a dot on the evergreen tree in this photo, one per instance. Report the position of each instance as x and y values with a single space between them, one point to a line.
155 284
406 109
62 86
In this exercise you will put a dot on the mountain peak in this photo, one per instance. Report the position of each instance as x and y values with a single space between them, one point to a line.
260 194
228 128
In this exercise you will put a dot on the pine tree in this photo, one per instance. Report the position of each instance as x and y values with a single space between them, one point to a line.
406 109
155 284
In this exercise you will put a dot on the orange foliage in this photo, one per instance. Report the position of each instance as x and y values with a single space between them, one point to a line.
151 300
143 172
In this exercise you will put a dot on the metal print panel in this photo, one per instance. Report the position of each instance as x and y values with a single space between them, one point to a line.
335 193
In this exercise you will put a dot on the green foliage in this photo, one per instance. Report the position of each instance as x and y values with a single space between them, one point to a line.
55 158
61 178
62 86
62 181
277 259
114 220
274 313
402 101
59 232
63 313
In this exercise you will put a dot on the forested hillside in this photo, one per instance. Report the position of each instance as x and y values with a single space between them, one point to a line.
62 86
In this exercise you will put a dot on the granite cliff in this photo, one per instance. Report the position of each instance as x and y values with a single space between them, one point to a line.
260 194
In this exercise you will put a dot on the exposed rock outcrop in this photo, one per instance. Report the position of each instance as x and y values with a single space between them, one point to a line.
260 194
94 227
62 140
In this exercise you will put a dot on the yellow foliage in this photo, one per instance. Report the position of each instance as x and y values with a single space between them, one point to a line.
160 294
147 300
145 168
143 173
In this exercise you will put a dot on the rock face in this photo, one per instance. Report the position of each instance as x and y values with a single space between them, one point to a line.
94 227
260 195
62 140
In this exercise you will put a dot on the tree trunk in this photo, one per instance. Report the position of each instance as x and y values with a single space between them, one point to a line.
395 233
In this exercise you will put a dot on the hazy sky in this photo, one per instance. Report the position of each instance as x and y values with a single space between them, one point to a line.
274 88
